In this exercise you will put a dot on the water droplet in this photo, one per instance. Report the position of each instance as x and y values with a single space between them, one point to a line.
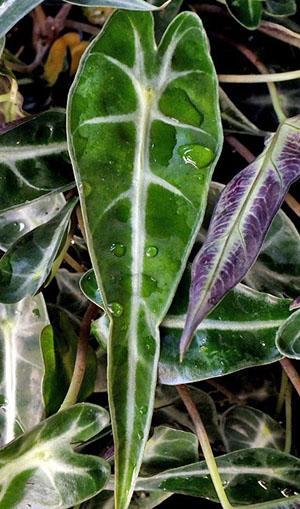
118 250
151 251
116 309
196 155
143 410
263 484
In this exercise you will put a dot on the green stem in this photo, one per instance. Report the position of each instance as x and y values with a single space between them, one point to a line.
282 392
288 419
183 392
81 357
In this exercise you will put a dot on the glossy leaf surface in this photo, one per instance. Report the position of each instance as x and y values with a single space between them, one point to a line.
41 470
249 476
13 10
21 366
240 223
247 12
16 222
34 160
244 427
152 181
133 5
280 7
288 336
26 265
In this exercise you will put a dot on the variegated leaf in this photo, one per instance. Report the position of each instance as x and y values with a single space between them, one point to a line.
21 366
240 223
288 337
160 107
247 12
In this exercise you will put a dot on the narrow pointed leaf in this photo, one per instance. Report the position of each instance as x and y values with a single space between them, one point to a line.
14 223
41 470
234 121
26 265
247 12
34 159
288 337
249 476
160 108
244 427
21 366
240 223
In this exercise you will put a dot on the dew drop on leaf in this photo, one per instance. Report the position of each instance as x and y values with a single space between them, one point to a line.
151 251
116 309
118 250
196 155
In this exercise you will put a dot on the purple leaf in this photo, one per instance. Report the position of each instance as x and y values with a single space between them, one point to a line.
240 222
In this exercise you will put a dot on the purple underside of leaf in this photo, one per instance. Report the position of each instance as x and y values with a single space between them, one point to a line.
240 223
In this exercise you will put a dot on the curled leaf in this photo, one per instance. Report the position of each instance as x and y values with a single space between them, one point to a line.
240 223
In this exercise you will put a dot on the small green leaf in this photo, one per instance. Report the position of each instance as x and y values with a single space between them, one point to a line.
247 12
14 223
89 288
40 469
288 337
244 427
59 345
21 366
26 265
281 7
249 476
34 159
169 448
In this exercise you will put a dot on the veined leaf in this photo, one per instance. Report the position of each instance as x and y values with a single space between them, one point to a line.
160 107
244 427
21 366
281 7
169 448
288 337
132 5
247 12
34 159
240 223
249 476
59 346
14 223
88 286
40 468
27 263
11 11
223 342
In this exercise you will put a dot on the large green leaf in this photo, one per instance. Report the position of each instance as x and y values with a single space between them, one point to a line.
244 427
27 263
59 346
169 448
21 366
160 107
34 159
40 468
249 476
224 342
14 223
247 12
288 336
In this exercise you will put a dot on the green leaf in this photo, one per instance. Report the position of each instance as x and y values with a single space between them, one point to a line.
169 448
281 7
246 12
11 11
34 159
224 342
59 346
14 223
244 427
132 5
288 337
89 288
21 366
153 181
249 476
164 16
40 469
26 265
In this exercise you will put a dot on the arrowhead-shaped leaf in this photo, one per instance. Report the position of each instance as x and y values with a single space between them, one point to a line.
160 107
21 366
27 263
34 159
288 337
41 470
240 223
247 12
